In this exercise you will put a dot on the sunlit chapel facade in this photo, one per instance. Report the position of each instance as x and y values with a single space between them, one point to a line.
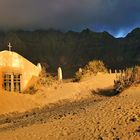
16 72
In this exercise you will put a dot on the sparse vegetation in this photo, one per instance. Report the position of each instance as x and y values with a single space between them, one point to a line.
93 67
45 79
127 79
31 90
78 76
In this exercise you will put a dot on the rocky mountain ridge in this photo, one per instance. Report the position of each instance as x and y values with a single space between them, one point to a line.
72 50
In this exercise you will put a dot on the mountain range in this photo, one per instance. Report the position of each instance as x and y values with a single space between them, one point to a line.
72 50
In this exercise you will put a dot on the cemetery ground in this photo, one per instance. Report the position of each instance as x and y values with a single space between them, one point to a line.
72 110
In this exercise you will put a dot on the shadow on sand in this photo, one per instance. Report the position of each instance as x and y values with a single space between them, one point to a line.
105 92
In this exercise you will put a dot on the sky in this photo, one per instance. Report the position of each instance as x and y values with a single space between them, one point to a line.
118 17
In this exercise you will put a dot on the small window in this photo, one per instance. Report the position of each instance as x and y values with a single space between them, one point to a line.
7 82
12 82
17 82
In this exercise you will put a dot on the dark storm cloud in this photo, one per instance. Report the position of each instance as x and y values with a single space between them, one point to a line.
116 16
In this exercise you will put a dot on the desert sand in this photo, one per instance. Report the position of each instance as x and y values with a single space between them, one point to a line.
85 110
12 102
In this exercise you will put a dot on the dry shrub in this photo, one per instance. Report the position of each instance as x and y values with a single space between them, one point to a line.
127 79
93 67
45 79
31 90
78 76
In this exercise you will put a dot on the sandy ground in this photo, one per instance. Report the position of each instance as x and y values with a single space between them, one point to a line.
12 102
97 117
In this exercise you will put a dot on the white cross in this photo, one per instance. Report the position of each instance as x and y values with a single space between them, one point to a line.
9 45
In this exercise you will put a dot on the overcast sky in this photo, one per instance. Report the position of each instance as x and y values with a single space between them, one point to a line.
118 17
